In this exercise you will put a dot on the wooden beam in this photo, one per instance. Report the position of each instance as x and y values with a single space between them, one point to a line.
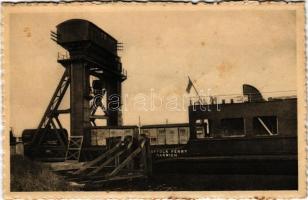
98 169
98 159
127 160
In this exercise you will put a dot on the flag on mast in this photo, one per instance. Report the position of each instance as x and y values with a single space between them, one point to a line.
189 85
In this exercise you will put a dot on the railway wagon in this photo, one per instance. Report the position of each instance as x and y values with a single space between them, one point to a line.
100 137
160 135
167 140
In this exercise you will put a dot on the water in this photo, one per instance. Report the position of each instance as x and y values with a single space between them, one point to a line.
201 182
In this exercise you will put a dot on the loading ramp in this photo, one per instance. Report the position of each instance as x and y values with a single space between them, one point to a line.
124 160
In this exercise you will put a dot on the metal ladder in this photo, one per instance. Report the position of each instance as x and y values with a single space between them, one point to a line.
74 148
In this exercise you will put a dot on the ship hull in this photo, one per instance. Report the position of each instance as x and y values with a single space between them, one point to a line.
285 165
257 155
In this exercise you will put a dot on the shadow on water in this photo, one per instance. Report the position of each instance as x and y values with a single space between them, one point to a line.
201 182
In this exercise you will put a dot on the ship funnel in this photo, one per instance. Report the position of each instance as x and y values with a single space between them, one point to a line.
252 93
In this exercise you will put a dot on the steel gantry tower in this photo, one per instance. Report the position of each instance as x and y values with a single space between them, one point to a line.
91 52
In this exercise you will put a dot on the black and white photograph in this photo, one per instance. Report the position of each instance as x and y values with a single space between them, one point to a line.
175 100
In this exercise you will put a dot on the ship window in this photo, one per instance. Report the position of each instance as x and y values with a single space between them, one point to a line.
198 121
200 132
202 128
233 127
265 125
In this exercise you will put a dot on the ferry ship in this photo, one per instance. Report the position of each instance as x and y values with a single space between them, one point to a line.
252 136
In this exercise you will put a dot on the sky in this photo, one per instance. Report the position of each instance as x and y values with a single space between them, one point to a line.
219 49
